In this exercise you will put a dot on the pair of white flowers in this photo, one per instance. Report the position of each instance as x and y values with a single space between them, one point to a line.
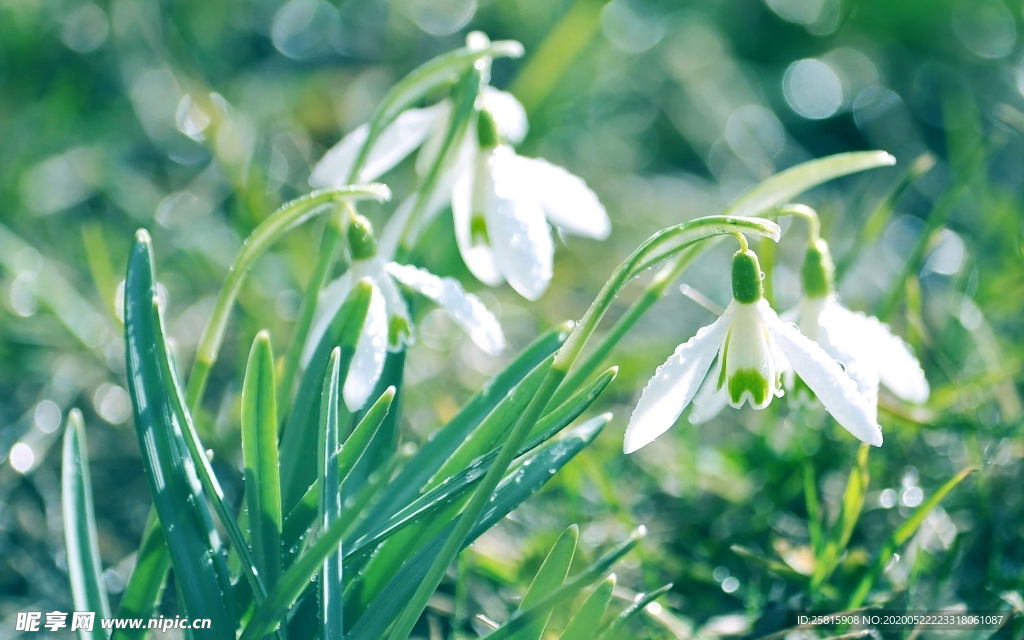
753 350
503 204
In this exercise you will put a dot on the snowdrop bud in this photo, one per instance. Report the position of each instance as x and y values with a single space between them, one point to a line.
487 130
360 238
818 271
746 277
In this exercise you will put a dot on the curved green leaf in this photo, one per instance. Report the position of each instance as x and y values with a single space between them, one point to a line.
195 551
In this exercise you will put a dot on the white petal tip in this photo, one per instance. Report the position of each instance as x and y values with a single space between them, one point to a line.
508 48
381 192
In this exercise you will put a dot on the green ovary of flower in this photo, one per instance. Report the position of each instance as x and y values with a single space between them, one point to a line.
748 380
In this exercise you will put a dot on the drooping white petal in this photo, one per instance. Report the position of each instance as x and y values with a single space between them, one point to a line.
892 358
476 253
846 348
567 200
331 298
397 309
710 399
371 350
674 384
397 141
833 387
508 113
751 371
517 229
466 309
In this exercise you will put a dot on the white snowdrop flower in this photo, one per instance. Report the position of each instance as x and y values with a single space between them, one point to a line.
866 346
387 324
502 202
753 347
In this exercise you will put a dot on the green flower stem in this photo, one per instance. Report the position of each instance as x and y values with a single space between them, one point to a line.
679 236
327 254
465 104
288 216
805 212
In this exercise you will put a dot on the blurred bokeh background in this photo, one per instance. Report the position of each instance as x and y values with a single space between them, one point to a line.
195 119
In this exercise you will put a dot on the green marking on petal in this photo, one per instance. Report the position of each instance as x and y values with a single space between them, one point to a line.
478 229
398 329
748 380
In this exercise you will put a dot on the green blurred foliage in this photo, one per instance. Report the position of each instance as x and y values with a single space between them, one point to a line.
196 119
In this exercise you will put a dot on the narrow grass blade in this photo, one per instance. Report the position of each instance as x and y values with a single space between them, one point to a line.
329 583
587 620
550 576
901 536
614 628
269 231
570 589
195 552
513 490
849 513
425 463
152 563
301 517
259 454
781 187
85 572
299 440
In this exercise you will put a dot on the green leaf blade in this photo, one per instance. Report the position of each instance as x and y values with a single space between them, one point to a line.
195 553
587 620
330 581
85 571
260 458
550 576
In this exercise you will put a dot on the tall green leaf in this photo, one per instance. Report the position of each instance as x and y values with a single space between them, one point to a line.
85 571
329 584
259 454
849 513
195 550
550 576
587 620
